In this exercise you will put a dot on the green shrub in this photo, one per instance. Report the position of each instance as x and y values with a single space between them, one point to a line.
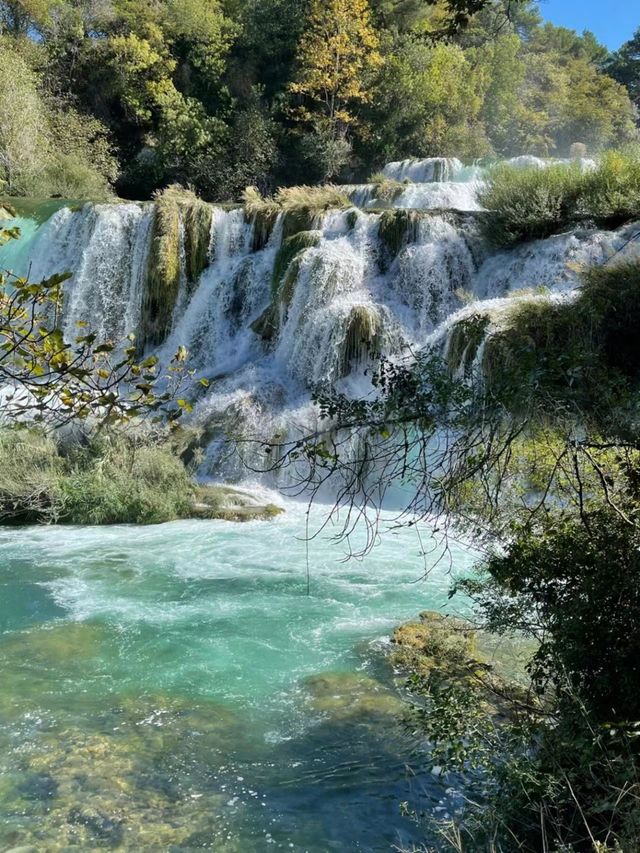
532 203
580 357
30 470
387 189
611 193
117 480
126 484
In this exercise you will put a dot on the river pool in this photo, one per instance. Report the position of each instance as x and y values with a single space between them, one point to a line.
174 688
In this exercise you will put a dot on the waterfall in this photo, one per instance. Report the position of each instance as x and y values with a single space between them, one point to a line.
277 312
106 248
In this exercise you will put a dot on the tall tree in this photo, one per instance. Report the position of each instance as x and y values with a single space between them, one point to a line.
624 66
336 56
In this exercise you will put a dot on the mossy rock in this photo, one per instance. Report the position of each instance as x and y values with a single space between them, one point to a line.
7 211
164 272
444 650
465 340
297 219
291 247
434 643
267 324
263 221
397 228
198 217
363 336
225 503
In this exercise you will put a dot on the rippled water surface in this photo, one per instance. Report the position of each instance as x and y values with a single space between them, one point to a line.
174 688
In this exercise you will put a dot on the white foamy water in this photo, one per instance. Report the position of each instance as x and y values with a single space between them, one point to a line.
353 294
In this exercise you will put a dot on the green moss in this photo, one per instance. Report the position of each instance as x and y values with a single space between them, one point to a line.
198 217
291 247
262 214
465 339
442 652
288 287
164 271
397 228
352 219
297 220
363 335
301 208
387 189
552 356
264 222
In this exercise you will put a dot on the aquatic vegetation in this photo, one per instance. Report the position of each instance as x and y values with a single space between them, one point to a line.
349 696
29 484
397 228
112 481
301 209
317 199
387 190
229 504
164 270
292 247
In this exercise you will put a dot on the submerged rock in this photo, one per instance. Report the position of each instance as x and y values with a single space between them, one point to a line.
144 780
351 696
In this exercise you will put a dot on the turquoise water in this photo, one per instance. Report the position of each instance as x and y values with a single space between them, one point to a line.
174 688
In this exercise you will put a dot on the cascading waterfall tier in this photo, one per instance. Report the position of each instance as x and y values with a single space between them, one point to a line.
268 314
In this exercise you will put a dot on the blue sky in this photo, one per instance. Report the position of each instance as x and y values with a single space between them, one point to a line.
613 22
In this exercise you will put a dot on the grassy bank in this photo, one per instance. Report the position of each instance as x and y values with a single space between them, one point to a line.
112 480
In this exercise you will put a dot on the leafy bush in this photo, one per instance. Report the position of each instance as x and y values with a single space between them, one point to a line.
611 192
114 480
577 358
533 203
121 483
529 204
30 468
572 585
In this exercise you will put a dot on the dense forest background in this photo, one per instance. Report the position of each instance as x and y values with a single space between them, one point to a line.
128 96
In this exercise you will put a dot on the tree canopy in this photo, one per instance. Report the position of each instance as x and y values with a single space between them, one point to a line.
131 96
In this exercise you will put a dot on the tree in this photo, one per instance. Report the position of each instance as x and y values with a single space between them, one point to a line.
624 66
24 142
336 56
